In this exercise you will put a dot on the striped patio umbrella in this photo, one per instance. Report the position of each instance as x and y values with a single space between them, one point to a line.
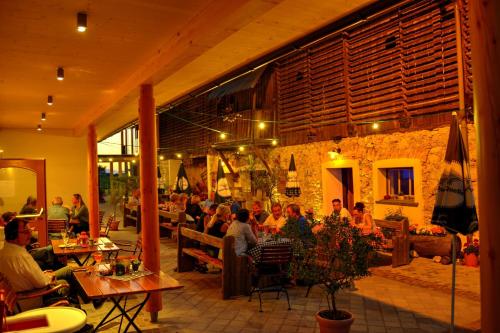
222 191
182 182
455 209
292 188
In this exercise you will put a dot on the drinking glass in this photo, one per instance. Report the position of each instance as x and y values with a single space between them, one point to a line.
65 236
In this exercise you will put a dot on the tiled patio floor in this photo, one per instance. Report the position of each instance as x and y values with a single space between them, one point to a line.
379 304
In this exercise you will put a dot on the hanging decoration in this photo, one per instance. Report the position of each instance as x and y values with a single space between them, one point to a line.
292 185
182 182
222 191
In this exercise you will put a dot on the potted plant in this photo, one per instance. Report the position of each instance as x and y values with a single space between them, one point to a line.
471 253
338 255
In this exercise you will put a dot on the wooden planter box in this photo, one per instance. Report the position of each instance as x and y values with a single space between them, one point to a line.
430 246
400 240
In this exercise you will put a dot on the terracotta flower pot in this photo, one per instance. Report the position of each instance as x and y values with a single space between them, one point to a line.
334 326
471 260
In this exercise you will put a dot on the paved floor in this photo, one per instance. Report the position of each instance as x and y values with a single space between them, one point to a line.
380 303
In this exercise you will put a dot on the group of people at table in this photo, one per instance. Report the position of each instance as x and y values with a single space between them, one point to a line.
28 267
230 219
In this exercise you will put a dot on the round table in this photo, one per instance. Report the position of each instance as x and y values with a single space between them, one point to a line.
62 319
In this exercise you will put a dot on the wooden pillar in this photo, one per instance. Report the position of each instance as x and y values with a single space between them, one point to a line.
149 192
120 168
93 199
485 28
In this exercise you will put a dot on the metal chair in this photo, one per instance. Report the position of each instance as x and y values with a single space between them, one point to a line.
134 250
272 269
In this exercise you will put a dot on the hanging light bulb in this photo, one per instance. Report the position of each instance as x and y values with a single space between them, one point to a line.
162 157
60 73
223 135
43 116
241 148
50 100
81 22
262 125
39 128
178 155
274 142
133 161
375 126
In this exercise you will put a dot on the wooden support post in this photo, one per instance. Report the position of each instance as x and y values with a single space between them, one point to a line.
259 154
229 167
92 181
485 28
120 168
149 192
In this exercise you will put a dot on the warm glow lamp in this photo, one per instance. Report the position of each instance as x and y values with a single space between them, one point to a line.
81 22
50 100
39 128
262 125
60 73
43 116
222 136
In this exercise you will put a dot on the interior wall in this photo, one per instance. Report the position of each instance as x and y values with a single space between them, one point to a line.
66 159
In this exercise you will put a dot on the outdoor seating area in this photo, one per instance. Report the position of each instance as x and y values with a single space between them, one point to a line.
249 166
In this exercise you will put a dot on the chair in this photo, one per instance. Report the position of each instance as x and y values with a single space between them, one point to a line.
272 267
101 217
54 227
135 250
104 231
12 298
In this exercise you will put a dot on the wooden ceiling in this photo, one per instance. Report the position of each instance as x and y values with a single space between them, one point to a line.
176 45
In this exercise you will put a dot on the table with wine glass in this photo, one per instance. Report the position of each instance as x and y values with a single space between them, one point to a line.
97 286
71 249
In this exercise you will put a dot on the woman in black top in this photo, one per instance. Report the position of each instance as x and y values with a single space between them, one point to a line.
218 226
79 215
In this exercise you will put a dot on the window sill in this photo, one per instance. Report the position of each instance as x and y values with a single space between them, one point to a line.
395 202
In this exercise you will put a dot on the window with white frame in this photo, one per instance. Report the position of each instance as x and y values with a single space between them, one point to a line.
400 182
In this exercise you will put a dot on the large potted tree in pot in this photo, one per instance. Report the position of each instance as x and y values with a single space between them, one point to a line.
339 255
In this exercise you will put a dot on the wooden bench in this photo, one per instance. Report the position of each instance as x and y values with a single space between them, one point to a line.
400 240
235 269
169 222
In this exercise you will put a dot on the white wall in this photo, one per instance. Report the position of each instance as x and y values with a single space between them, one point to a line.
66 159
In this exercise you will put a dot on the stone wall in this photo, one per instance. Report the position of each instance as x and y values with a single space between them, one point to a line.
428 146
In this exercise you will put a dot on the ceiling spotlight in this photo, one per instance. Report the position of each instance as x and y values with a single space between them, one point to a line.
222 135
178 155
274 142
81 22
43 116
50 100
262 125
162 157
241 148
39 128
60 73
375 126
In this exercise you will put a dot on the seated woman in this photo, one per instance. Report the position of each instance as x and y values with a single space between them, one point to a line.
29 207
362 219
242 232
218 226
193 208
79 215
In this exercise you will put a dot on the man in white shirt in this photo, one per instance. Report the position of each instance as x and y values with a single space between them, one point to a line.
242 232
276 219
339 211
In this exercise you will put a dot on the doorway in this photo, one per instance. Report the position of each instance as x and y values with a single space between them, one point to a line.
339 178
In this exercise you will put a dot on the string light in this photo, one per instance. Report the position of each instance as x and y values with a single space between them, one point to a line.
262 125
274 142
50 100
241 148
223 136
162 157
375 125
178 155
81 22
60 73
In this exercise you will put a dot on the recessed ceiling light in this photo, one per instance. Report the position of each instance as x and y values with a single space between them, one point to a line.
43 116
39 128
81 22
50 100
60 73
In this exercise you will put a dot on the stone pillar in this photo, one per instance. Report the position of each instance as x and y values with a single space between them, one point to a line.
485 26
149 192
93 188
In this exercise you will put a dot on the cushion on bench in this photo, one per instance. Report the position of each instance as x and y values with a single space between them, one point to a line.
202 256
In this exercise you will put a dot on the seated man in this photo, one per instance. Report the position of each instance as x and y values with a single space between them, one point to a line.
57 211
242 232
276 219
339 211
258 215
19 267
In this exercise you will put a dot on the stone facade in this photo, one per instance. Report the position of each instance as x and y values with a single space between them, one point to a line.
427 146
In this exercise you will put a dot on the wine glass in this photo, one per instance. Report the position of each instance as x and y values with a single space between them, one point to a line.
65 236
97 257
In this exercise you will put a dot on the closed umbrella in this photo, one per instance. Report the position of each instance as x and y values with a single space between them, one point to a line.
292 188
222 191
455 209
182 182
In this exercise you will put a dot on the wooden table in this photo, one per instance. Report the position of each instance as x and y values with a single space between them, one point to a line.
75 251
96 287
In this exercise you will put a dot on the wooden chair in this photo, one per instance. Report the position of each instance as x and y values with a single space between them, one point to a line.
104 231
12 298
101 216
272 269
54 226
